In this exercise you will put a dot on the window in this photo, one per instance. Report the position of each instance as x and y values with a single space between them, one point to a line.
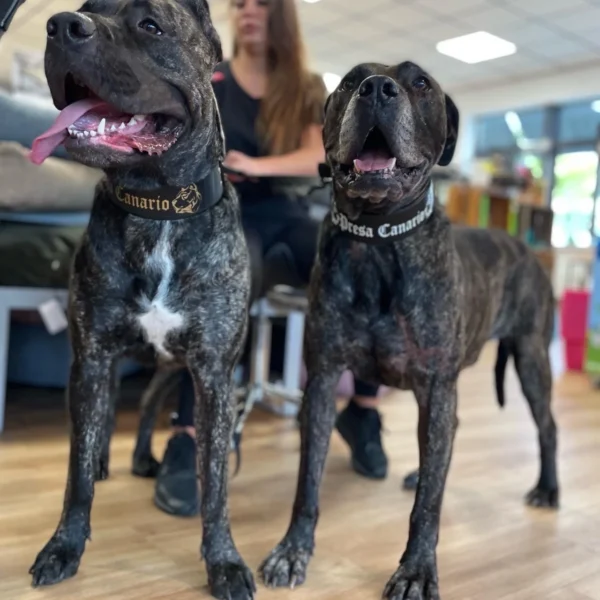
559 145
511 130
578 122
573 198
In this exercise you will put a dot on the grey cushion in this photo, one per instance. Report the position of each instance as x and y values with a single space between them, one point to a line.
56 185
26 117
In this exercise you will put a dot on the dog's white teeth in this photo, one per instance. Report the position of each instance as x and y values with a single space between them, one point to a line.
113 128
93 133
139 118
122 126
132 122
356 167
86 133
80 134
102 127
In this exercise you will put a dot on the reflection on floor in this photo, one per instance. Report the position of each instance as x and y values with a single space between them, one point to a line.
491 546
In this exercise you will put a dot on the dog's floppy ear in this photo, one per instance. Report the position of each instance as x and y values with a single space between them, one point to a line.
202 10
452 117
327 101
326 104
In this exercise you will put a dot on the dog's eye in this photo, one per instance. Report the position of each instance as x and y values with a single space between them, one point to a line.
347 85
150 26
421 83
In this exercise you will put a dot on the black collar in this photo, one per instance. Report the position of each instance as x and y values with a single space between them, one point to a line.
169 203
384 229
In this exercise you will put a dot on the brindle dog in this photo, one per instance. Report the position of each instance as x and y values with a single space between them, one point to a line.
410 310
171 289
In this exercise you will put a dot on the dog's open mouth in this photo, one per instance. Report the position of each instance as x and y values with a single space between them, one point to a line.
376 161
89 121
375 157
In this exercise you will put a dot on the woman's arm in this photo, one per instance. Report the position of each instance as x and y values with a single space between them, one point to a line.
304 162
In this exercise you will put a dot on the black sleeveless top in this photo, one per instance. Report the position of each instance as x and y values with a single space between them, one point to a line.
239 114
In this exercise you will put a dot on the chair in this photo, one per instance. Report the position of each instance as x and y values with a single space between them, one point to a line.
287 300
284 296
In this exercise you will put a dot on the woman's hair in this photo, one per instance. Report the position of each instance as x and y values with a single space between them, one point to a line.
294 97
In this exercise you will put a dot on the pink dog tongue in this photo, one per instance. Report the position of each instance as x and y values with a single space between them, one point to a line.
45 144
374 161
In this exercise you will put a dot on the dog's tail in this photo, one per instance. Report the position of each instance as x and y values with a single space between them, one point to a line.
505 351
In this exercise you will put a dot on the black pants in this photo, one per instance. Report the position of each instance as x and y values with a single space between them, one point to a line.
266 223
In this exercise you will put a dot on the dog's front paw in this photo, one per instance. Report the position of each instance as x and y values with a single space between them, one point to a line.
285 566
58 560
145 466
413 581
541 497
231 581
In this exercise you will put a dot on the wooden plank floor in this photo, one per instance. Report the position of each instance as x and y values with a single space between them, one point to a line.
492 547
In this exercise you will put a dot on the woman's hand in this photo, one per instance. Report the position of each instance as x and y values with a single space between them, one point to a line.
238 161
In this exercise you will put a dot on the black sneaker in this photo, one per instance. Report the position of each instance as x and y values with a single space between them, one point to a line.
176 491
361 429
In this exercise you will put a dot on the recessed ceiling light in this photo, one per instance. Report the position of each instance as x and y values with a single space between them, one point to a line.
331 81
596 106
476 47
311 1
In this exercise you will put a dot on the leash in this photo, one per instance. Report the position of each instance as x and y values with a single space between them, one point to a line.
325 179
8 8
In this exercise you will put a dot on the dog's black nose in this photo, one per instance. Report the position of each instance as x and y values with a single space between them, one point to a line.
378 86
70 28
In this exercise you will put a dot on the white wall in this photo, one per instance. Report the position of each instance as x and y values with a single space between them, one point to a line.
553 87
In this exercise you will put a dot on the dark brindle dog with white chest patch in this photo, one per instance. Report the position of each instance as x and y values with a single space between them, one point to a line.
402 298
163 269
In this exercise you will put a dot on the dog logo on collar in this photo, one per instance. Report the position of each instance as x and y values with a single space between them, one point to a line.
187 200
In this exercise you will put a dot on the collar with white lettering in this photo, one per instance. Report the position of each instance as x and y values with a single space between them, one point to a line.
169 203
382 229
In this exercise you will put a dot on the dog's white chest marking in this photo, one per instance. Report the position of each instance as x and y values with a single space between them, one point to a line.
158 320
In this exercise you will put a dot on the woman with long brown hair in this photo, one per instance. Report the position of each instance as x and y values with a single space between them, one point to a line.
272 109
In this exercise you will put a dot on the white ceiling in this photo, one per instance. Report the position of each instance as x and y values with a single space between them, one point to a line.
551 35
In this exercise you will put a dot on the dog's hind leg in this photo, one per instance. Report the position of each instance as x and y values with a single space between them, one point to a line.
533 367
89 391
288 562
411 481
228 575
162 385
